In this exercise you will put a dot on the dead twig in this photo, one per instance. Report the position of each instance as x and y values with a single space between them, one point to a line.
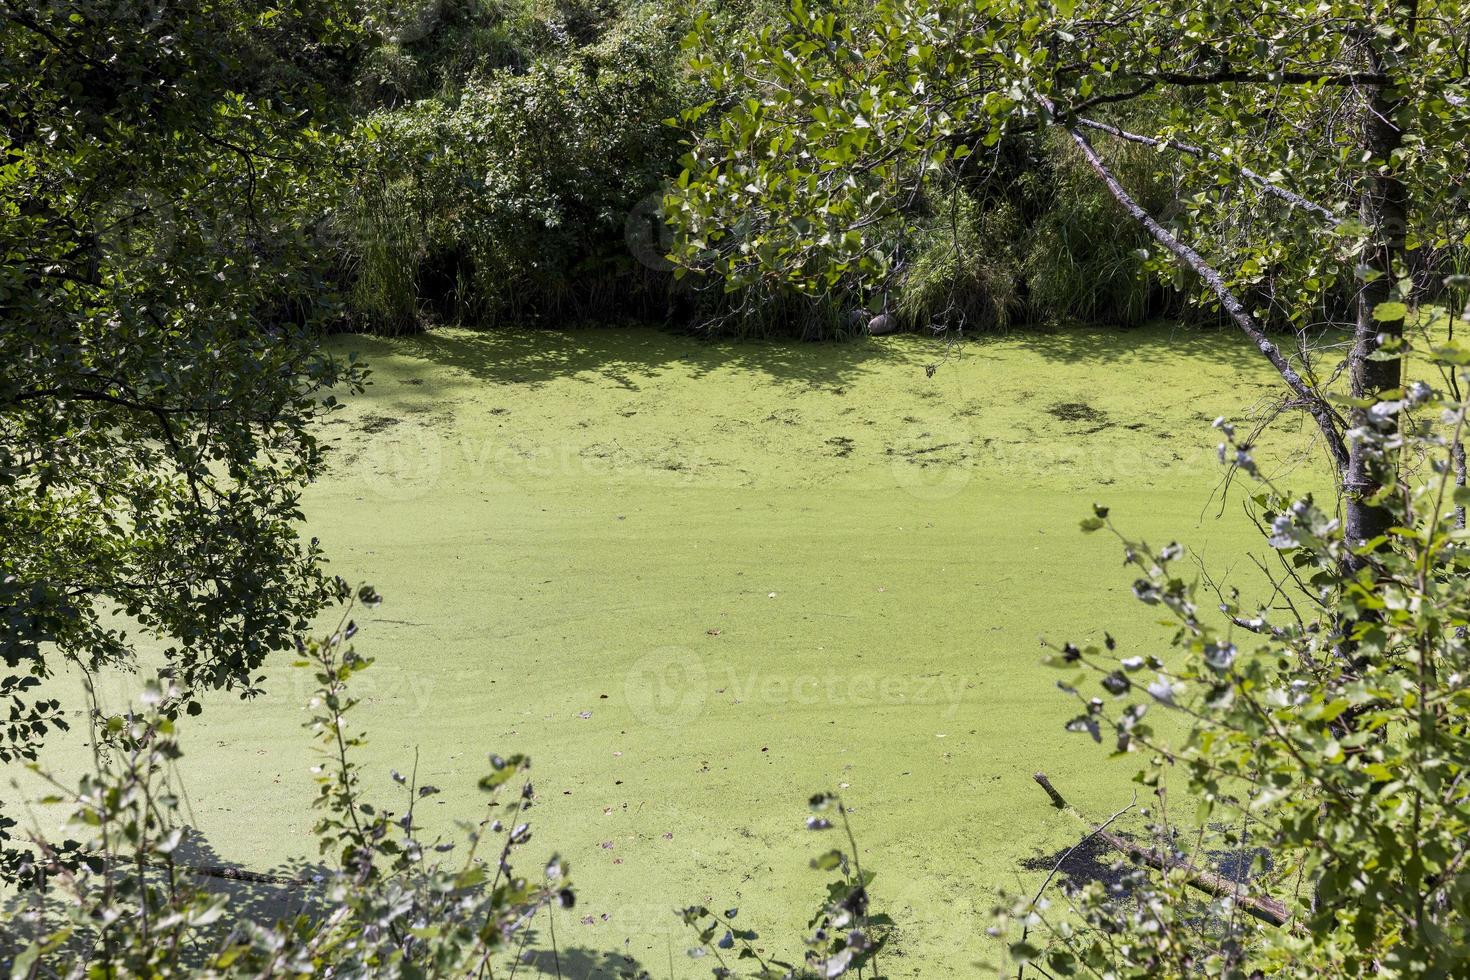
1265 909
1026 930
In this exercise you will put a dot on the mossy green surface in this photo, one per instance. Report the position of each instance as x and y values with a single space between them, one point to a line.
698 582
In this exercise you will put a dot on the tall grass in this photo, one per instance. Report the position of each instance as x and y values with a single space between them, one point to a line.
763 311
1037 238
964 271
388 242
1085 260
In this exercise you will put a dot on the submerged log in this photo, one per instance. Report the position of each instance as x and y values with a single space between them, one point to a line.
1265 909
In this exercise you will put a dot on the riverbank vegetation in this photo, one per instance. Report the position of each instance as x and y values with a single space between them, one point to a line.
508 162
1105 223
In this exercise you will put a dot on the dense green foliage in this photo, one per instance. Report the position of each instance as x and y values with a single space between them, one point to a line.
159 378
824 133
506 160
1327 735
502 152
513 156
187 188
511 199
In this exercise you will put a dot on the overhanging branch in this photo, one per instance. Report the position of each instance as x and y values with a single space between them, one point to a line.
1148 83
1265 183
1346 79
1313 401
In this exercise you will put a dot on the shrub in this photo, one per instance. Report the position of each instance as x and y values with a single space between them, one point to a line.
1327 725
964 271
512 199
392 902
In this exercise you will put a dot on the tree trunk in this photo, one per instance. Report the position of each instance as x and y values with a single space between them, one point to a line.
1384 209
1457 452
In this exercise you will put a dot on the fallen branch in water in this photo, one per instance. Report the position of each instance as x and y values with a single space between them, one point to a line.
1265 909
1096 831
240 874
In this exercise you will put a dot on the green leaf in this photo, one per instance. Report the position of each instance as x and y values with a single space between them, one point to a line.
828 861
1390 312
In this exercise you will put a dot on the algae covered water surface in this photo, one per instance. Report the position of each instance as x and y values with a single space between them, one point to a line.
699 582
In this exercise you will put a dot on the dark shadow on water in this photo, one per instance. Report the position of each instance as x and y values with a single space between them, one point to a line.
263 896
1241 865
1154 343
1090 860
258 901
576 963
267 897
1093 860
625 355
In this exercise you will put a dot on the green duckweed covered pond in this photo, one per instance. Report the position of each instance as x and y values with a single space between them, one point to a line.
698 582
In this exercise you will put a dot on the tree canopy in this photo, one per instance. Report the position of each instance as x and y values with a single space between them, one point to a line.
159 370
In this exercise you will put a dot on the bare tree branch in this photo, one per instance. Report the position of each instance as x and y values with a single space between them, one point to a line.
1266 909
1229 76
1265 183
1315 404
